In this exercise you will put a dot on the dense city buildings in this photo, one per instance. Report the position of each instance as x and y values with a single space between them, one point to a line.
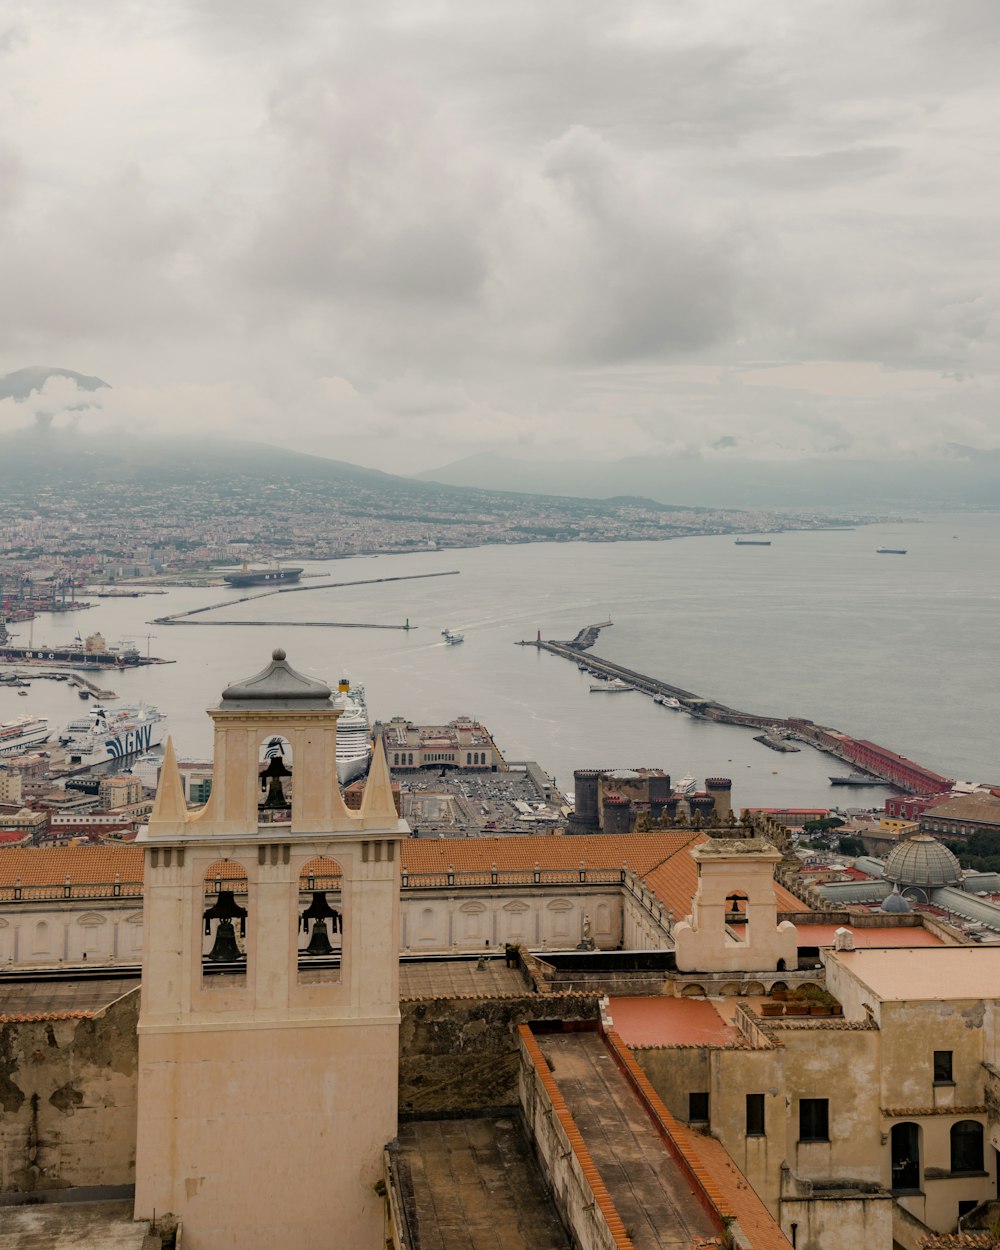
803 1054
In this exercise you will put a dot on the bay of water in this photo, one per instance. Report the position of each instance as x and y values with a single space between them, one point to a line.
898 649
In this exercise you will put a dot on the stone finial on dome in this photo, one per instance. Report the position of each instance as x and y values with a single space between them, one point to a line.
277 686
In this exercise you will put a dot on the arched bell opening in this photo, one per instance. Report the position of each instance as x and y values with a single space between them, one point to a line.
226 916
738 915
320 922
274 767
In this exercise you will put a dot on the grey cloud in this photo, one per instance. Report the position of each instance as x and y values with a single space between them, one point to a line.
438 222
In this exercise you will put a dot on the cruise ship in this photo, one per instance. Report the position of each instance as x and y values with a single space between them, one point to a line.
354 733
22 734
112 734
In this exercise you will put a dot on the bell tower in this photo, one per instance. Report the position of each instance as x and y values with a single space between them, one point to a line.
269 1020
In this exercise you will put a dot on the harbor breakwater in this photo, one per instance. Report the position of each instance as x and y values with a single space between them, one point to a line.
866 757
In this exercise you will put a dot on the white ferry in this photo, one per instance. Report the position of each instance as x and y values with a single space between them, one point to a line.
22 734
614 686
112 734
354 733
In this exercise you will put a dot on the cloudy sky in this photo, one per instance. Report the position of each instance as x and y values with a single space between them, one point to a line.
402 232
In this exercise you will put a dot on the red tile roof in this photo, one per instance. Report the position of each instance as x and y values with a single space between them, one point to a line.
661 860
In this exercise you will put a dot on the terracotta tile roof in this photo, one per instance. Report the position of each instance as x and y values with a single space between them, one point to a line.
752 1216
661 860
708 1162
35 1017
961 1241
670 1022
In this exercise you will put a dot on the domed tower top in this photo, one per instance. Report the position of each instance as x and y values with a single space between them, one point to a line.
923 861
278 686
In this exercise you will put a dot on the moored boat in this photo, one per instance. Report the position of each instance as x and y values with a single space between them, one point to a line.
112 734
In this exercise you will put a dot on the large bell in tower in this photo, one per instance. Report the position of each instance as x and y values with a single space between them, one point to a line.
319 912
225 910
271 778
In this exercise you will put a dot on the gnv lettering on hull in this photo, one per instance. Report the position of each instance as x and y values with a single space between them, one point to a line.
130 743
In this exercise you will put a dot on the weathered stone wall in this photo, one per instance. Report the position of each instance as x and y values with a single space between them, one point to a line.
68 1100
461 1054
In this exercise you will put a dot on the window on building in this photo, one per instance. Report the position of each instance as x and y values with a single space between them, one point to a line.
698 1108
966 1146
755 1115
965 1205
942 1068
814 1119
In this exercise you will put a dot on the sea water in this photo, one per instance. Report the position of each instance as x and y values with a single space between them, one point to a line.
897 649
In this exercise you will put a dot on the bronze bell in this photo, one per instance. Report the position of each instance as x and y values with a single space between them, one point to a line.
225 950
319 911
319 942
225 910
270 780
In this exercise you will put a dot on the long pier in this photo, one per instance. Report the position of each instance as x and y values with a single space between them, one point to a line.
878 762
184 618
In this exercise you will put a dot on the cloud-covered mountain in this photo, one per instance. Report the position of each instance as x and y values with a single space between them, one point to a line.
23 383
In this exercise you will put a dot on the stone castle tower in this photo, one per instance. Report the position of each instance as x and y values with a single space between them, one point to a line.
268 1029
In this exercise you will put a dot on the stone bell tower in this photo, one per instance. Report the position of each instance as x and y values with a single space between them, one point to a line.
733 925
269 1022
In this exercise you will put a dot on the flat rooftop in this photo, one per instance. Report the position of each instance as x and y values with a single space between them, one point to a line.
446 978
475 1185
29 999
934 973
898 935
72 1226
670 1022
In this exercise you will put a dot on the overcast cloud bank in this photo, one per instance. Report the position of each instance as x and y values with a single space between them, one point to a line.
399 233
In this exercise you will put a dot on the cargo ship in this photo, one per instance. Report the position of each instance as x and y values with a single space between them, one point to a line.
90 652
262 577
890 551
752 542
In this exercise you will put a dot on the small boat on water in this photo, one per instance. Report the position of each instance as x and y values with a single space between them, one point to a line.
668 700
452 638
615 686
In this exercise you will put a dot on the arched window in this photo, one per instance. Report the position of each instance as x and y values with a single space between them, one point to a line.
224 950
321 921
966 1146
905 1156
738 915
274 799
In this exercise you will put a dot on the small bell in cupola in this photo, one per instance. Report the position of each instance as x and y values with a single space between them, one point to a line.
319 912
225 910
271 778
